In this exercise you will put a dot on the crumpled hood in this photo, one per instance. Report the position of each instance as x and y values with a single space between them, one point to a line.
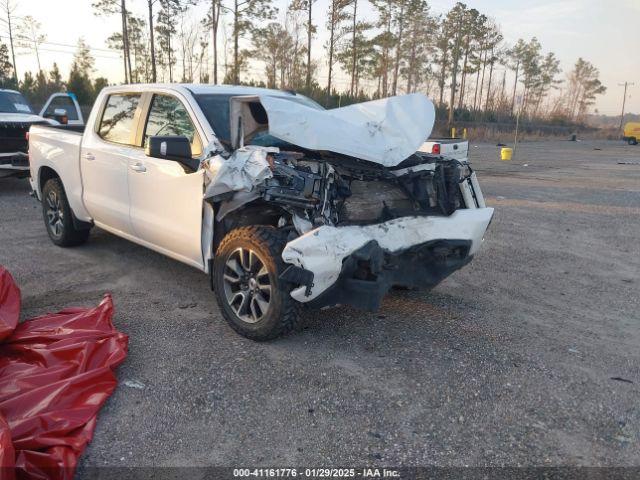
383 131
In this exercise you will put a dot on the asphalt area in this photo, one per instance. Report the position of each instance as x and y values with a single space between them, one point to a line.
529 356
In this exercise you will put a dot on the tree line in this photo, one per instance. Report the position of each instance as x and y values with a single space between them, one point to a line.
458 58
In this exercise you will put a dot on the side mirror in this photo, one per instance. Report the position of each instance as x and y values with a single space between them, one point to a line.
60 115
173 148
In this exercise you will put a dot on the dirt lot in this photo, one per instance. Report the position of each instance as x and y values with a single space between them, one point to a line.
529 356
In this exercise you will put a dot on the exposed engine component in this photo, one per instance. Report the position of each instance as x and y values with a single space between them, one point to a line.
310 189
311 192
374 200
317 192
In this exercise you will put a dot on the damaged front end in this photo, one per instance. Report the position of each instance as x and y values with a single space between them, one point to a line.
355 227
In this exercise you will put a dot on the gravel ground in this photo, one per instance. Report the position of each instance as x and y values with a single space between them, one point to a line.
528 356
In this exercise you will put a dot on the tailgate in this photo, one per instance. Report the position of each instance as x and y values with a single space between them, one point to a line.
448 148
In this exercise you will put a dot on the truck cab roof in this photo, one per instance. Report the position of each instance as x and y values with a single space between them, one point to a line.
201 89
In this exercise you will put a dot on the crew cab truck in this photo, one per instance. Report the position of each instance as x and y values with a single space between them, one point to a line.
17 116
282 203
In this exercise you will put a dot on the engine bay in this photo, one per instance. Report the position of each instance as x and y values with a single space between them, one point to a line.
319 192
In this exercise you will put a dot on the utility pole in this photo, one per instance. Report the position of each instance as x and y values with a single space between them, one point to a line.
624 99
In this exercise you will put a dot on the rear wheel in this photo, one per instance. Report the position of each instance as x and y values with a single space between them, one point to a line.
633 141
253 300
58 217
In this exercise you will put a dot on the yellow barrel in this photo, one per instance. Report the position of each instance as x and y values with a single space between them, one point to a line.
506 153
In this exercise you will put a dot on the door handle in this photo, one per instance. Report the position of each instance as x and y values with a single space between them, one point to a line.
89 156
138 167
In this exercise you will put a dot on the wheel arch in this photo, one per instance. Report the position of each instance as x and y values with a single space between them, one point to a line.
256 213
45 174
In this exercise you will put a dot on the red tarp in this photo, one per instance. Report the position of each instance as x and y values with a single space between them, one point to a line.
56 371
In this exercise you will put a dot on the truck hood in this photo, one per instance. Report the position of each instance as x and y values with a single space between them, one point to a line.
385 131
22 118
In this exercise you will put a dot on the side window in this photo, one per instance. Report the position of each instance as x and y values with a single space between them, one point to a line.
64 103
167 116
117 120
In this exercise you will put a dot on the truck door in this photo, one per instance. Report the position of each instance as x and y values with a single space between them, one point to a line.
104 161
59 102
166 198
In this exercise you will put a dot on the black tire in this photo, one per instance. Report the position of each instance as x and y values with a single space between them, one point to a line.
633 141
58 217
246 259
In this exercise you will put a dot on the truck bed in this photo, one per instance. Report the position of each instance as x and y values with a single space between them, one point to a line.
67 128
57 148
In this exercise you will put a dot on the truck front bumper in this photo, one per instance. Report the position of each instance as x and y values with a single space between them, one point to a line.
357 265
14 164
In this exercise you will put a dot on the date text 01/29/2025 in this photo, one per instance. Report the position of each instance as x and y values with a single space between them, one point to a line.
316 473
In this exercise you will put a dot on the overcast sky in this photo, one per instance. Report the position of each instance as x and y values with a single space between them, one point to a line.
606 33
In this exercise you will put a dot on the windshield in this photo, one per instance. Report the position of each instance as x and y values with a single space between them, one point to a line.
216 108
13 102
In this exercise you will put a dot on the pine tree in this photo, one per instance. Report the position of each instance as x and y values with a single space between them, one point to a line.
79 82
244 15
7 78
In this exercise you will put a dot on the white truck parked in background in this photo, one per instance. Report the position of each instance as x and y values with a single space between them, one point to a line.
17 116
281 202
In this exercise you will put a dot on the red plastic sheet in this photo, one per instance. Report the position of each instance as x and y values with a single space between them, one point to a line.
56 372
9 304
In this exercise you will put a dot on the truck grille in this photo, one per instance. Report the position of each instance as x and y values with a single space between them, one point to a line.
13 136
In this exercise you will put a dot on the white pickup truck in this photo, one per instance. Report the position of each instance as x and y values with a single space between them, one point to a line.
281 202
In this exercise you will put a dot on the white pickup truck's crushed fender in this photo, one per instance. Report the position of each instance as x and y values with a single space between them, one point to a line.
383 131
246 168
323 250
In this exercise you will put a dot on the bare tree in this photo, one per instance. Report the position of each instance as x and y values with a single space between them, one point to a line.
212 21
245 13
154 74
515 55
456 19
111 7
354 54
166 27
30 36
306 6
354 45
188 36
8 8
336 16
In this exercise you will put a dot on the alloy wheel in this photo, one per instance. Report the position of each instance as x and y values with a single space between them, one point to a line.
247 285
55 214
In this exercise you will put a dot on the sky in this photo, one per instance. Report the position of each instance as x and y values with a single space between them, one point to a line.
604 32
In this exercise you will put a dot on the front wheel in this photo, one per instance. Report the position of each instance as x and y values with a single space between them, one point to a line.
58 217
246 270
633 141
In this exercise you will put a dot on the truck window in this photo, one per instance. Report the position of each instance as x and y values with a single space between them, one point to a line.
64 103
167 116
117 120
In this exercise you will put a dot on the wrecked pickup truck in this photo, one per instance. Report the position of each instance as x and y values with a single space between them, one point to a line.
280 202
